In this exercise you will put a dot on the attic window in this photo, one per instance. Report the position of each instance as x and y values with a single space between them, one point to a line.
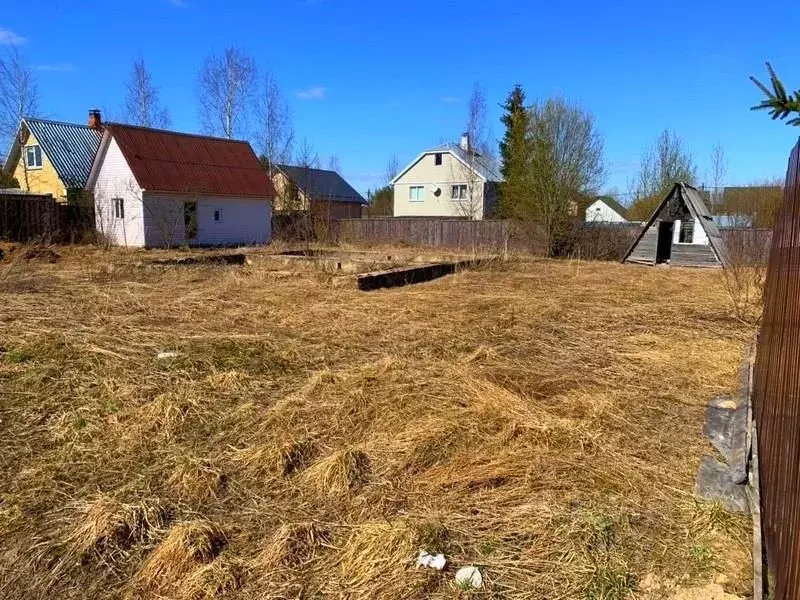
437 159
687 231
33 157
218 215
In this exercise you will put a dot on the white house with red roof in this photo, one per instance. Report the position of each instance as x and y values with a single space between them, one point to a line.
156 188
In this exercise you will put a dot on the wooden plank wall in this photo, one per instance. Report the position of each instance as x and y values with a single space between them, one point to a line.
645 250
693 255
27 217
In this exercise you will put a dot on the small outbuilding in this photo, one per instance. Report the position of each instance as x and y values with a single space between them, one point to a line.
156 188
680 232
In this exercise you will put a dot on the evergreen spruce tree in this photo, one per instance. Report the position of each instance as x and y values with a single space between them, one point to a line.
515 155
779 103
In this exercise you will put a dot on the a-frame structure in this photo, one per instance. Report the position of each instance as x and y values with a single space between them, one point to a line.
680 232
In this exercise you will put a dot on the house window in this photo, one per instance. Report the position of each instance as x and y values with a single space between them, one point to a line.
687 231
217 216
189 220
458 192
437 159
416 193
119 208
33 157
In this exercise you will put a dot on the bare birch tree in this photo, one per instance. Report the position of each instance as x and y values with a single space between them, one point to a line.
719 169
661 167
226 85
274 130
334 164
142 104
19 98
19 94
477 154
392 169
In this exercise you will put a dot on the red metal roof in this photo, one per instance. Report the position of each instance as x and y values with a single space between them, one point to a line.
171 162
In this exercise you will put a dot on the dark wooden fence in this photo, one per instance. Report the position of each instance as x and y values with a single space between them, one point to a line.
27 217
585 240
776 396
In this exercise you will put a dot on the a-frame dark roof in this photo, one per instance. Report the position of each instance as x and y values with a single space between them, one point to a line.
694 202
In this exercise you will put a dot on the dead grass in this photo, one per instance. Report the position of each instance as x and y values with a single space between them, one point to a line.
183 562
541 420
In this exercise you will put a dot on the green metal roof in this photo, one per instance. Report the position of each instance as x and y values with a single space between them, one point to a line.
69 147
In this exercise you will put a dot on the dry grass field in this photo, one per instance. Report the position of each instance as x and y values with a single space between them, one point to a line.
541 420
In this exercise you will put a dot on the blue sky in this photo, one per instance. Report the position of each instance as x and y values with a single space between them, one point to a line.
366 80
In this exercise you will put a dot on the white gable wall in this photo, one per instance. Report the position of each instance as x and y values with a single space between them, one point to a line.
427 174
698 234
600 212
115 180
243 221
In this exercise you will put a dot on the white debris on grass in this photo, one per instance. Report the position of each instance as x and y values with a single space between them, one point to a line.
437 561
166 355
469 577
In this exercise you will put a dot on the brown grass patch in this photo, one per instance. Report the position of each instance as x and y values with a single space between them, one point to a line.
183 556
542 421
105 527
293 546
340 473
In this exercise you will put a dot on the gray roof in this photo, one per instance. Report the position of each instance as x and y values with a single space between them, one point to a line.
483 166
614 205
69 147
322 184
732 221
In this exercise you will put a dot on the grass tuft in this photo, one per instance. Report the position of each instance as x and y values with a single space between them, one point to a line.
188 546
340 473
293 546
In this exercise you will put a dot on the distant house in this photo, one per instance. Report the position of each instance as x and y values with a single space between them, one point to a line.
680 232
160 188
604 209
732 221
451 180
50 157
323 192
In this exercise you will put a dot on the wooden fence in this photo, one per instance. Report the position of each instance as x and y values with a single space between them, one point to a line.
26 217
588 240
776 395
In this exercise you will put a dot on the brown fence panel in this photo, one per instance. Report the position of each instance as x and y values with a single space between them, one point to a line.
26 217
776 395
591 241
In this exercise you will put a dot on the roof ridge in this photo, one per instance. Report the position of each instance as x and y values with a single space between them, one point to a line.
53 122
279 165
173 132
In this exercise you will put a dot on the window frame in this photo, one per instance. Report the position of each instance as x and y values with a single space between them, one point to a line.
438 160
421 189
461 187
37 149
118 207
218 216
687 226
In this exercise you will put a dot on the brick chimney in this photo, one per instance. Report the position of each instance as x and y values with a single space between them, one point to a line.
95 120
465 145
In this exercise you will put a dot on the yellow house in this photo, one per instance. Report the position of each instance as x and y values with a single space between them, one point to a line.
50 157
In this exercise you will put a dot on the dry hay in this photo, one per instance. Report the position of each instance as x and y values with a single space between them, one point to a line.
293 546
107 528
340 473
183 561
376 558
542 421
